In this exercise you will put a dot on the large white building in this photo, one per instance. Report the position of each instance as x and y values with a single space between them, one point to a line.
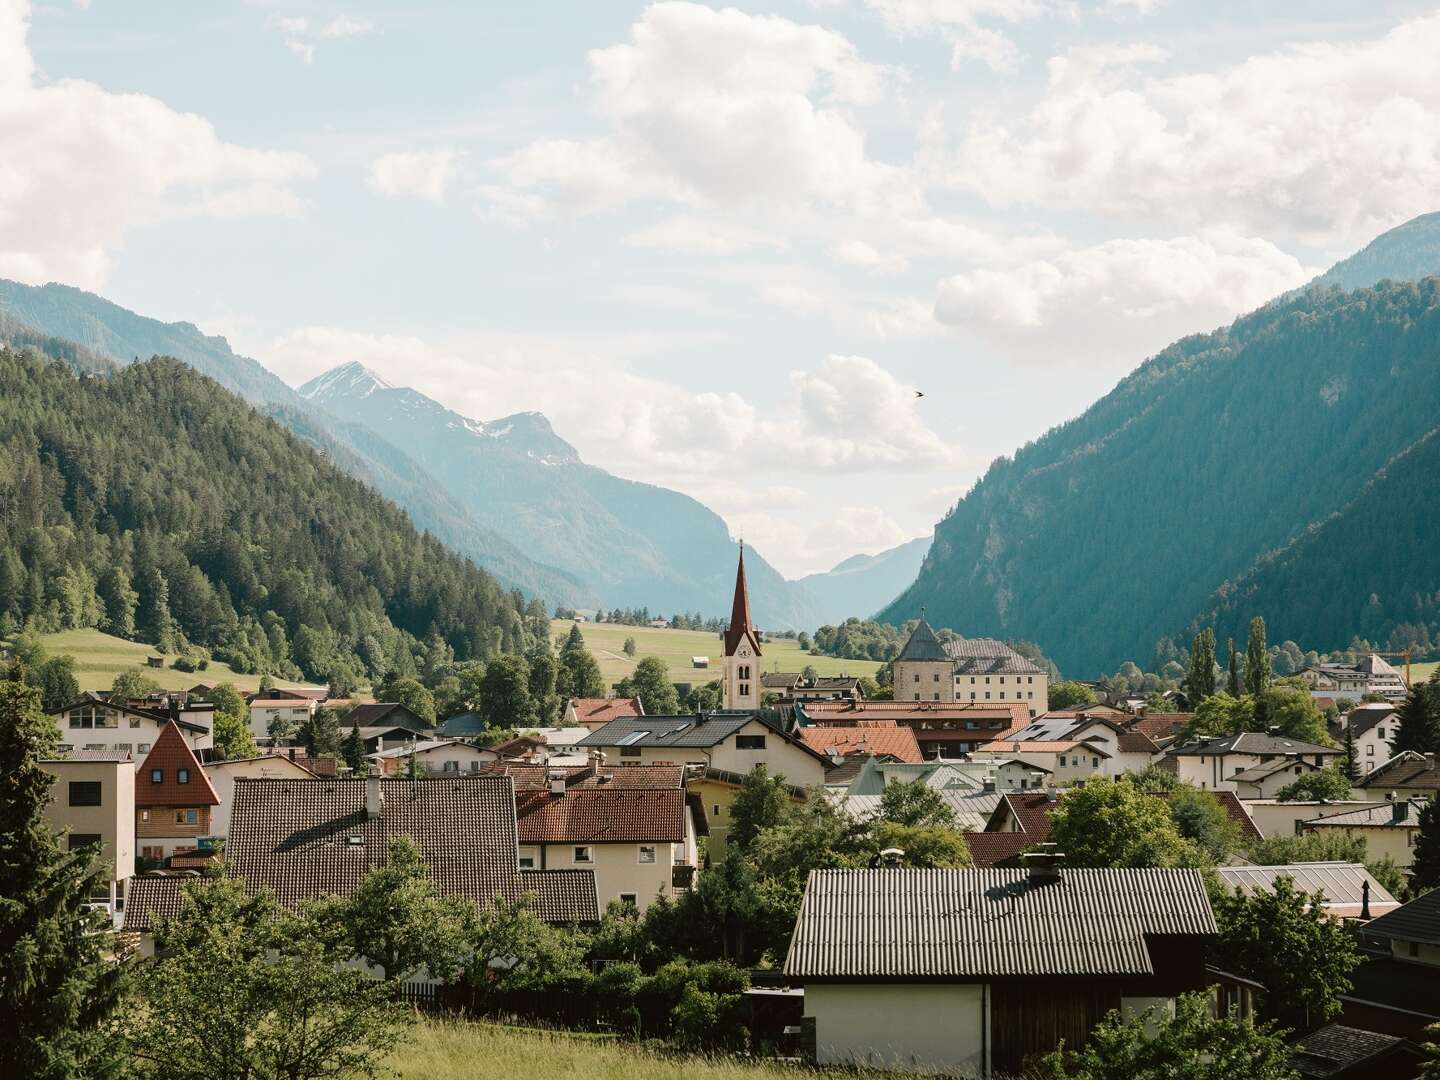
970 670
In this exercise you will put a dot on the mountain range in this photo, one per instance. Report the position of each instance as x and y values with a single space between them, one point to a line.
1277 466
509 493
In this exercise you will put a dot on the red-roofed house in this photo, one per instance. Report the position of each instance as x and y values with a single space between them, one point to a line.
174 799
879 737
595 713
943 729
635 826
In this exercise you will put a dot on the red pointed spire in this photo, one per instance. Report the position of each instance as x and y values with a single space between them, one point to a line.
740 626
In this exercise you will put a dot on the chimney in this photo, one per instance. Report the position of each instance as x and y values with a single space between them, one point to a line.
1400 810
292 753
373 798
1365 898
1043 864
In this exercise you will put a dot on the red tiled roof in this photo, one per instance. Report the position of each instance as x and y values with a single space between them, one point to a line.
1158 726
629 804
628 777
603 710
869 736
170 754
989 849
1015 714
1032 811
1135 742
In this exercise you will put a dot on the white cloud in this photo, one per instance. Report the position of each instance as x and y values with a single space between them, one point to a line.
1329 142
688 235
1119 301
90 165
962 24
718 109
300 35
303 49
868 257
423 174
342 26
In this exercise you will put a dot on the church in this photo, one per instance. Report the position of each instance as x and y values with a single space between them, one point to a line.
742 649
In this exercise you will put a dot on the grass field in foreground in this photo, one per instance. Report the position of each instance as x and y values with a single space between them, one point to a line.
448 1050
676 647
100 657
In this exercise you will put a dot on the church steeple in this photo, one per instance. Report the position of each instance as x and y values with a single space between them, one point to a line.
742 648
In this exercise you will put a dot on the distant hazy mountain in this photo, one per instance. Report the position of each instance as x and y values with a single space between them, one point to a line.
102 331
632 544
1407 252
863 584
1117 527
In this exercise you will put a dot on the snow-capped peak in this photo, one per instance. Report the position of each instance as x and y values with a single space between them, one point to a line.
352 380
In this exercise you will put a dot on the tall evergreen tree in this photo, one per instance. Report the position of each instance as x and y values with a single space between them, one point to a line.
1419 721
1257 659
1201 681
353 750
1425 869
1232 679
1350 765
60 981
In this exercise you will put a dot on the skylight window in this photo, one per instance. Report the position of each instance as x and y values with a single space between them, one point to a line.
631 739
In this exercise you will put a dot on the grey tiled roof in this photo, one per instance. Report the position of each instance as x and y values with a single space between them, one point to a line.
384 714
1251 742
922 645
1382 816
303 839
975 924
1406 769
150 898
1419 920
986 656
1269 768
1336 1048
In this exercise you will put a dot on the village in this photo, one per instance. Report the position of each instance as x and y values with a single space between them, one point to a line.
977 880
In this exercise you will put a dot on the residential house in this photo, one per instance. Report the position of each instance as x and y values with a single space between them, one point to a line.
1022 960
826 688
1371 727
1212 763
433 757
319 766
1408 775
636 827
945 731
270 708
1397 989
595 713
1338 1052
95 723
728 745
1275 818
1064 760
969 793
93 802
465 725
882 737
780 682
1269 778
174 800
1387 829
223 774
1163 729
385 714
1350 891
301 840
976 670
1370 674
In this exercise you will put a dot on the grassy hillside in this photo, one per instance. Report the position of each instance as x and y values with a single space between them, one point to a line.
442 1050
676 647
1421 672
100 657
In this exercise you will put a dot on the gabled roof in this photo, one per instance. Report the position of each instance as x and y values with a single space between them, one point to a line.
1406 769
922 644
963 925
869 736
1364 717
1267 769
1250 742
1336 1049
987 656
462 725
385 714
627 804
1041 746
989 849
603 710
1341 882
170 755
153 898
303 839
694 730
780 680
1419 920
154 716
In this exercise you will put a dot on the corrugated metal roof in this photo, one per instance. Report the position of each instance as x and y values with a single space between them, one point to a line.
971 924
1341 882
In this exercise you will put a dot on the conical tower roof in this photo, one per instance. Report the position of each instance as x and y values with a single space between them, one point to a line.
923 644
740 626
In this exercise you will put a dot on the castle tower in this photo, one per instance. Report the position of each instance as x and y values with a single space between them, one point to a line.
742 649
923 671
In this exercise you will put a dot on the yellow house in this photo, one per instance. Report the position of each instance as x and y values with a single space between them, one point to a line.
93 802
1388 829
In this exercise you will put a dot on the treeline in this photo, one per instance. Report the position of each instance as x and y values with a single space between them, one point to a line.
865 639
643 617
154 505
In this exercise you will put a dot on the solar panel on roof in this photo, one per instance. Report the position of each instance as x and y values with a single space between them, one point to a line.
631 739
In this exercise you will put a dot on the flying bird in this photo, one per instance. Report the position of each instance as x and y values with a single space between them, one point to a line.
919 393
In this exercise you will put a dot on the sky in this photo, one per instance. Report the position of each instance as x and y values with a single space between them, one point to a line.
723 249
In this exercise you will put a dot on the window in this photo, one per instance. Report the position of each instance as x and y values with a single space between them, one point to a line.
527 862
1002 680
1030 678
937 695
1370 750
81 839
143 748
157 776
1031 695
584 854
84 792
749 742
972 680
744 671
630 898
629 751
1062 761
717 810
972 692
987 695
987 680
937 677
647 853
744 689
182 776
1380 732
134 721
1095 763
187 817
917 676
450 766
155 853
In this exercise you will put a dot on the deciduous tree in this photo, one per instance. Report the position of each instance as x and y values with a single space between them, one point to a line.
1111 823
1200 682
650 681
132 684
1070 695
1329 784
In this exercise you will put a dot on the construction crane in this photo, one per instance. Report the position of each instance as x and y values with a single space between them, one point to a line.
1405 654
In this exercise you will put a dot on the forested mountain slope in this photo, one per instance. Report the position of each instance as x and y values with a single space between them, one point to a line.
159 506
636 545
90 328
1115 528
1405 253
1372 569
